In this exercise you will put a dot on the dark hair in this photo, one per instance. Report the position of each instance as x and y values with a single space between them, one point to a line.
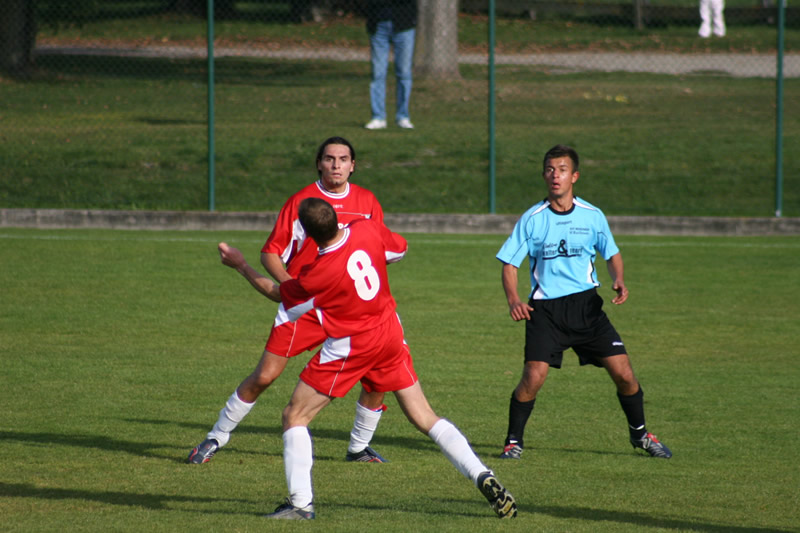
335 140
562 150
318 219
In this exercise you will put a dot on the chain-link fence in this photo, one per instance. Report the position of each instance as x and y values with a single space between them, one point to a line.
113 109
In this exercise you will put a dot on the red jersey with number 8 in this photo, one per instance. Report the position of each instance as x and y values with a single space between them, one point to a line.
347 286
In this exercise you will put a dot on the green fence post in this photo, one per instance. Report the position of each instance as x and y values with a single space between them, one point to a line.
779 113
491 109
211 105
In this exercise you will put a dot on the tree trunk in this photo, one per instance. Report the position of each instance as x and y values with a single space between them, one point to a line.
436 53
638 18
17 35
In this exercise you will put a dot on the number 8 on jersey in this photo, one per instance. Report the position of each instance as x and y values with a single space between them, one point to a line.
361 271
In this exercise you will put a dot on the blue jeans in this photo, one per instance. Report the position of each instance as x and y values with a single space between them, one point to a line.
380 42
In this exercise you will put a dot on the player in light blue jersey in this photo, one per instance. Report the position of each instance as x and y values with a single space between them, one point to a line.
561 236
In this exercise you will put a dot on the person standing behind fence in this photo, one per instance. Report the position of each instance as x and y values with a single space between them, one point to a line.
712 18
391 23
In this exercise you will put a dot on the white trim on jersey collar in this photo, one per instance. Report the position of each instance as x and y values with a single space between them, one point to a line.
580 203
338 244
330 194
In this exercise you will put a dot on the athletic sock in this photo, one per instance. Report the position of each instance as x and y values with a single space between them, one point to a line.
229 417
518 414
298 458
633 407
364 425
455 447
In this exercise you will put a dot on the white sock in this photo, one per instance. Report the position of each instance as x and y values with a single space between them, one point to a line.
455 447
364 426
229 417
297 461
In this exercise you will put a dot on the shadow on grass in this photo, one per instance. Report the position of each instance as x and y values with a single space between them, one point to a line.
65 68
481 511
160 501
641 519
493 450
145 449
585 514
97 442
414 440
128 499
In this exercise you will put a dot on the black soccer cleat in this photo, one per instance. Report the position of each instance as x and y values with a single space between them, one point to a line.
651 445
367 455
287 511
511 451
500 500
203 452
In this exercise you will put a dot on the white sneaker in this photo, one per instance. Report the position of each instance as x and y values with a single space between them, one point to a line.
405 124
376 124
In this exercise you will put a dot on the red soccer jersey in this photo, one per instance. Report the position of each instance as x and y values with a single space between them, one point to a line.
288 239
347 285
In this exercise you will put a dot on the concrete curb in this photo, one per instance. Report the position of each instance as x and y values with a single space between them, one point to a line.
408 223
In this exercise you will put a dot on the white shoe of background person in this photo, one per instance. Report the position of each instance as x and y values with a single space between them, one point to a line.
405 124
376 124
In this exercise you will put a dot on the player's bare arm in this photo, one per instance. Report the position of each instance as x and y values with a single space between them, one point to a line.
233 258
274 266
615 270
518 309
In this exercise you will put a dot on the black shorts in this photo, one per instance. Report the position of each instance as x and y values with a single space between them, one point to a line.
575 321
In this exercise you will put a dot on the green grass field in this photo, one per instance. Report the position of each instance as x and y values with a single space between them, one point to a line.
102 133
118 349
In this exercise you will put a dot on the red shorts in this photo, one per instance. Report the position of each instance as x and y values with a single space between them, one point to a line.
379 358
293 338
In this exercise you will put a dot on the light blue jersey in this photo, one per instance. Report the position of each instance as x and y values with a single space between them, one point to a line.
560 247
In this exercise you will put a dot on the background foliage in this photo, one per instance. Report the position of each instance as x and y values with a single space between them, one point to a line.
114 115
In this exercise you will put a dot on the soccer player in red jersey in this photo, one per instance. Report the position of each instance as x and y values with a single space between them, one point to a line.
285 253
348 289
